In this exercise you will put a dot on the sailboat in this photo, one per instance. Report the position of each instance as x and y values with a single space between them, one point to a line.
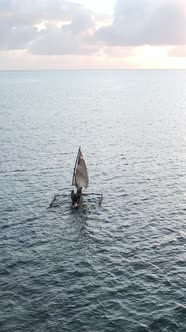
80 178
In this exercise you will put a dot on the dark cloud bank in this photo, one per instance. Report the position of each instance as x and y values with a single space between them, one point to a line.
135 22
139 22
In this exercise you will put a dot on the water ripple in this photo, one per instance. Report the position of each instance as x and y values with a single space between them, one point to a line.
115 267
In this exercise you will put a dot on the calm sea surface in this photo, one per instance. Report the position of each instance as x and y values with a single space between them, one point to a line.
116 267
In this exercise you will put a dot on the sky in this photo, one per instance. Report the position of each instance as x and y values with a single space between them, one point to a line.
92 34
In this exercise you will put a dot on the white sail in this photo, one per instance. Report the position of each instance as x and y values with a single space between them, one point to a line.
80 176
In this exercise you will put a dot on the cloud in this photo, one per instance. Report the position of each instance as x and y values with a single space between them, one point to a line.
31 6
16 38
61 40
71 28
35 11
140 22
70 38
19 19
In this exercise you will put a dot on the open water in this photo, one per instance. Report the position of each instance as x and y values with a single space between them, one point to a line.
116 267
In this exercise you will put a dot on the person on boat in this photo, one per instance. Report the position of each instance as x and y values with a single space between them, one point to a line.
79 194
74 197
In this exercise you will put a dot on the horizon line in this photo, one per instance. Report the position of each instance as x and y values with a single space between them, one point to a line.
98 69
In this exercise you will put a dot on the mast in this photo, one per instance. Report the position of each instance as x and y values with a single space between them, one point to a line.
75 166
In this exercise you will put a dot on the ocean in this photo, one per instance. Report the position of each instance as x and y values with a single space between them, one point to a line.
116 267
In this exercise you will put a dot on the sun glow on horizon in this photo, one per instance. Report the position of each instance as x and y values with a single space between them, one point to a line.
152 57
138 58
